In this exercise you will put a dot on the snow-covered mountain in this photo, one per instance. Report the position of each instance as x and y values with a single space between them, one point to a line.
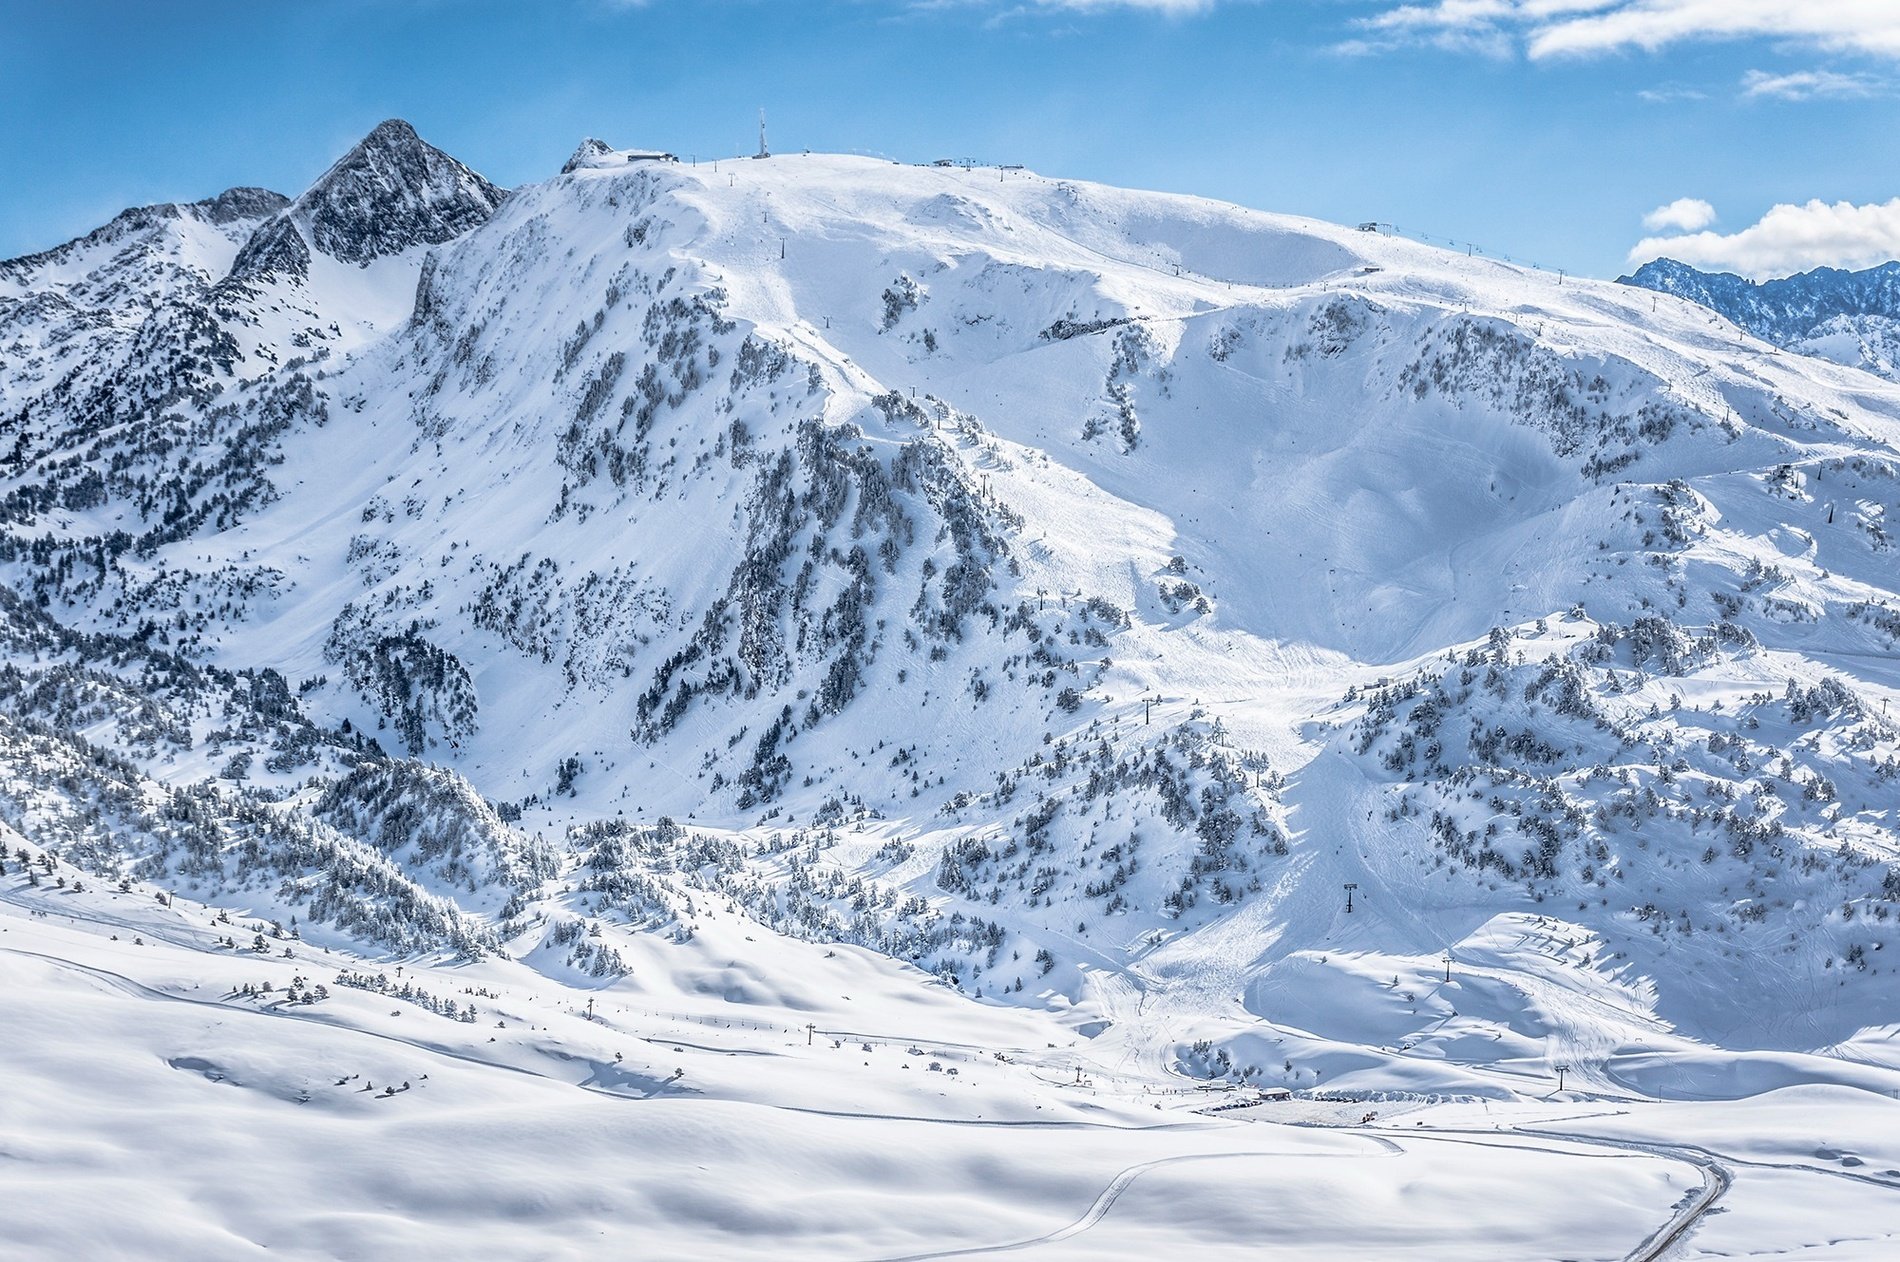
389 194
1849 317
171 305
1267 651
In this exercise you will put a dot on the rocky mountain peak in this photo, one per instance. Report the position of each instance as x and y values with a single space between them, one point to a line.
390 192
587 154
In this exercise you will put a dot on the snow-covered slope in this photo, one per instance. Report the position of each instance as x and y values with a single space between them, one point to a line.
1266 651
84 301
160 311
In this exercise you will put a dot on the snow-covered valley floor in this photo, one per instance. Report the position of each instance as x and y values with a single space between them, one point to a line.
166 1096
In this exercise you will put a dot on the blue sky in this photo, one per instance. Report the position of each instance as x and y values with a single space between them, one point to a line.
1545 130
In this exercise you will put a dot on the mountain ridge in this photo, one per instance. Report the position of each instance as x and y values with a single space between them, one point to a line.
233 204
815 539
1850 317
391 192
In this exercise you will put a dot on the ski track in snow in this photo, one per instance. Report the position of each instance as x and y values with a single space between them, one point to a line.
1106 1201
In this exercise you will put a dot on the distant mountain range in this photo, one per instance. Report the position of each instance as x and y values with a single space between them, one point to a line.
1851 318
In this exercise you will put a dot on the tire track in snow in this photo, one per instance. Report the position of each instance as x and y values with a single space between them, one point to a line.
1120 1184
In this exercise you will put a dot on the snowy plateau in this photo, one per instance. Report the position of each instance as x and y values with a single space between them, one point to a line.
821 708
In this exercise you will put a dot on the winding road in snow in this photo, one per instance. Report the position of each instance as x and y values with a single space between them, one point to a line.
1716 1177
1715 1183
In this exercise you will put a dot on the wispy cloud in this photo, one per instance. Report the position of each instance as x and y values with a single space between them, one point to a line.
1552 28
1790 239
1685 214
1805 85
1671 93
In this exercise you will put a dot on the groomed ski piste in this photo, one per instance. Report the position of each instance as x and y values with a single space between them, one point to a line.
814 707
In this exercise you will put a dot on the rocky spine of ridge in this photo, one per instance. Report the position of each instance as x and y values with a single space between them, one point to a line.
391 192
232 206
1783 310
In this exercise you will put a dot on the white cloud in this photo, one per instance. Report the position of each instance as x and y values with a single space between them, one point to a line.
1685 214
1549 28
1790 239
1670 93
1805 85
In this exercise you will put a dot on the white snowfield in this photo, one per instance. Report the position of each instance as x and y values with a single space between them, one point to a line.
811 707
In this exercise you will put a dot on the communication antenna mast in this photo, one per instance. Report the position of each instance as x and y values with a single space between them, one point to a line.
763 152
